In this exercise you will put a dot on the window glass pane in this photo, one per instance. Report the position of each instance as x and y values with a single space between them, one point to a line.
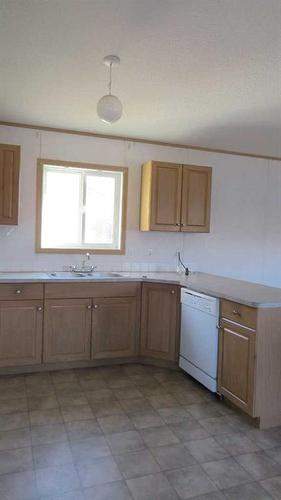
61 212
102 209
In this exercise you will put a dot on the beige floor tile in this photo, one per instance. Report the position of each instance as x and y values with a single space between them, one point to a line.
42 402
89 449
173 415
158 436
132 406
83 429
226 473
250 491
14 421
51 455
190 481
173 456
19 438
273 487
71 413
17 460
152 487
189 429
99 471
147 420
112 491
237 443
13 406
18 486
48 434
202 410
54 480
125 442
115 423
138 463
206 450
45 417
107 408
259 465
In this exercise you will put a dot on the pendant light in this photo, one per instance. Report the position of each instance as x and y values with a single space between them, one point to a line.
109 107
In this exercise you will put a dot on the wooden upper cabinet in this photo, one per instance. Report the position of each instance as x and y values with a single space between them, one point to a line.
175 197
115 327
159 321
9 184
67 330
21 324
161 197
196 199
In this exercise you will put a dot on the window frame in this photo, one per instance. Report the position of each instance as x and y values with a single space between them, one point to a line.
39 203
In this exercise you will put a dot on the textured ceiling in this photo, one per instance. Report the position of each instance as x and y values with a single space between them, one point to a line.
201 72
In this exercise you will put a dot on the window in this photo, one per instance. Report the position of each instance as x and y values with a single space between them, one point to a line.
81 207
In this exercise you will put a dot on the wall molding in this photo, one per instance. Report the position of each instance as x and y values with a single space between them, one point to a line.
138 140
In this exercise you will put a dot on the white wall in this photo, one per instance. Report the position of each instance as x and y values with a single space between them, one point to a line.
245 237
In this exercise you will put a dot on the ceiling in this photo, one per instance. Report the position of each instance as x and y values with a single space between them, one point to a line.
199 72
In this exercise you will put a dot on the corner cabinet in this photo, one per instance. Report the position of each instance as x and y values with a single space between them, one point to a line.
9 183
115 327
160 321
175 197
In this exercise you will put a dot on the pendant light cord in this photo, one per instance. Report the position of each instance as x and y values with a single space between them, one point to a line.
110 75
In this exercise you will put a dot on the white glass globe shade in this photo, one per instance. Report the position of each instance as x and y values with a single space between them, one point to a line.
109 108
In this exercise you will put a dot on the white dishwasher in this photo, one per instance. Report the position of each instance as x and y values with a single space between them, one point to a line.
199 337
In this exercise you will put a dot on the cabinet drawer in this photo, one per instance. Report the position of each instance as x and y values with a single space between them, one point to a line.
239 313
14 291
84 290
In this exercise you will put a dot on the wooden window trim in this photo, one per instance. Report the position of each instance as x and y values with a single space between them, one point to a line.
92 166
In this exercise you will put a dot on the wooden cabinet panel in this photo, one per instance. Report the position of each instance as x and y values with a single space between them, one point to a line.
20 333
85 290
165 197
239 313
115 327
21 291
161 197
9 183
237 365
67 330
159 321
196 196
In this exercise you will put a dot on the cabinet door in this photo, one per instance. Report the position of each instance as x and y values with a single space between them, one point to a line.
115 328
159 321
237 365
20 332
196 197
165 197
67 330
9 183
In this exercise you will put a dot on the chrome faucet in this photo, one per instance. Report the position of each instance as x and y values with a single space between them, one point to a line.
85 267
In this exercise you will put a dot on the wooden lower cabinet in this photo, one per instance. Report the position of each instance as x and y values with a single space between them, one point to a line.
21 325
237 365
159 321
67 330
115 327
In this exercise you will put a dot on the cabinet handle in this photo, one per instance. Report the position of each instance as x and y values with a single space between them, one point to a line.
236 313
18 292
96 306
173 292
177 223
39 308
89 307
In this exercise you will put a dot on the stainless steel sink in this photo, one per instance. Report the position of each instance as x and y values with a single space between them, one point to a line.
69 275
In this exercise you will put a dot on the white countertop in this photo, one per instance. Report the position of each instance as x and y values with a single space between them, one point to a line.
251 294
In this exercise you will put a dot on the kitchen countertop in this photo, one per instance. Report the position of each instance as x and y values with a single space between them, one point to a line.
244 292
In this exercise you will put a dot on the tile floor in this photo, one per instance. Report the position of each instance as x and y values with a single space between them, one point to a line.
129 432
